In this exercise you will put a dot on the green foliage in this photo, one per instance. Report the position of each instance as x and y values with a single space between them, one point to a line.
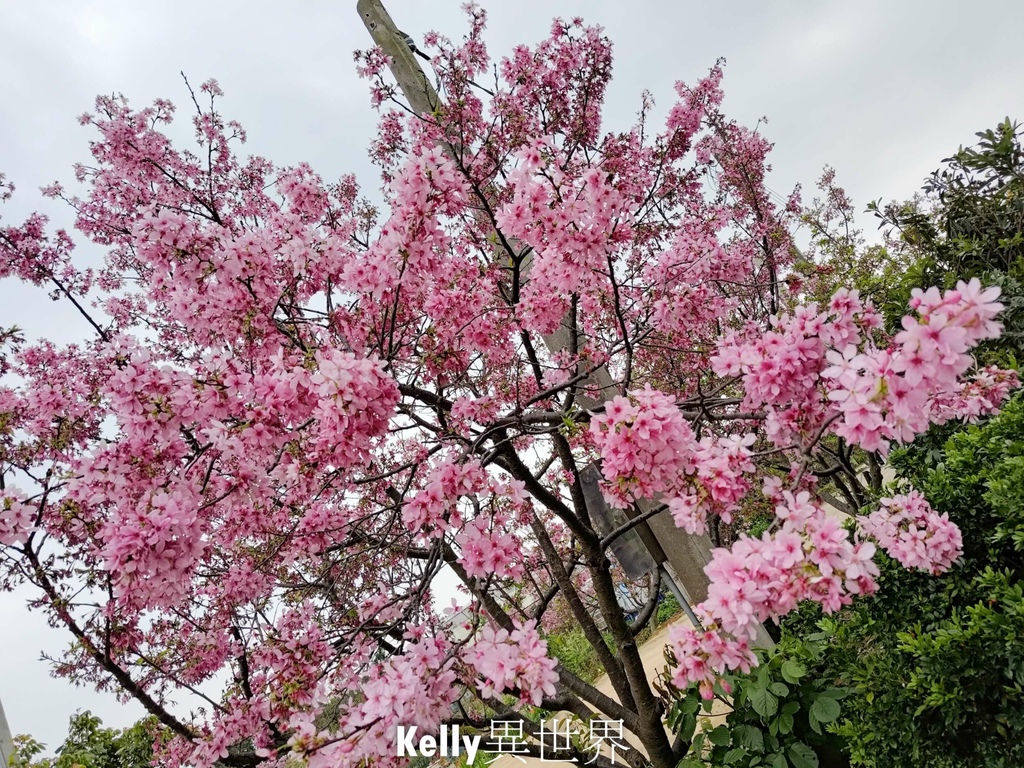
25 750
980 194
668 608
482 759
758 524
969 663
572 648
781 715
90 745
973 478
969 224
936 665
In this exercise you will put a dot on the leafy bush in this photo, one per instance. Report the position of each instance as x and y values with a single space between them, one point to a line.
780 713
572 648
90 745
935 666
668 607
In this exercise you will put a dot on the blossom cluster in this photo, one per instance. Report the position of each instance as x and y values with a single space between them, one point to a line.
722 469
356 399
646 445
704 655
15 518
648 450
888 394
488 548
810 557
291 656
514 661
151 548
417 687
913 533
817 369
434 508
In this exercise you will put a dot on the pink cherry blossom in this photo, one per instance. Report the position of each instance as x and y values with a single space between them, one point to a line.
290 415
516 660
15 518
909 530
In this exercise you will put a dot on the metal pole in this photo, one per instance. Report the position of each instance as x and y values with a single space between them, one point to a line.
668 573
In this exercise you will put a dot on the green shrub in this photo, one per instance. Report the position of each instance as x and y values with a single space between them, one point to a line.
572 648
935 665
781 713
668 608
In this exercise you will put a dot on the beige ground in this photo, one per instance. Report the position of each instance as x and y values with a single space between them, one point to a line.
652 653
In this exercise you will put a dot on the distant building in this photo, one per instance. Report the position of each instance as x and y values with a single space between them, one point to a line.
6 744
457 623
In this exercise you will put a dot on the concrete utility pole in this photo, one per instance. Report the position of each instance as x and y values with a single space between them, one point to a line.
6 742
684 555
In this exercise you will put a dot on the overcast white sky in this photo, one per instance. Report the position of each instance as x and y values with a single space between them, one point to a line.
880 90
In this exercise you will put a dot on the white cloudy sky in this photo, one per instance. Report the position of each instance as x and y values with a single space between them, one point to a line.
880 90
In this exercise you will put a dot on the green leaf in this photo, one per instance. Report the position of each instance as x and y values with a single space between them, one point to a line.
764 702
814 722
825 709
720 736
792 671
687 725
780 761
802 756
697 746
785 723
749 736
779 689
734 755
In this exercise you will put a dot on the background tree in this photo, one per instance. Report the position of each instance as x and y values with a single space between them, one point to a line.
965 222
90 745
292 412
968 222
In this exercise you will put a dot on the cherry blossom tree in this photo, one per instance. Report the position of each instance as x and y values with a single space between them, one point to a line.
290 410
